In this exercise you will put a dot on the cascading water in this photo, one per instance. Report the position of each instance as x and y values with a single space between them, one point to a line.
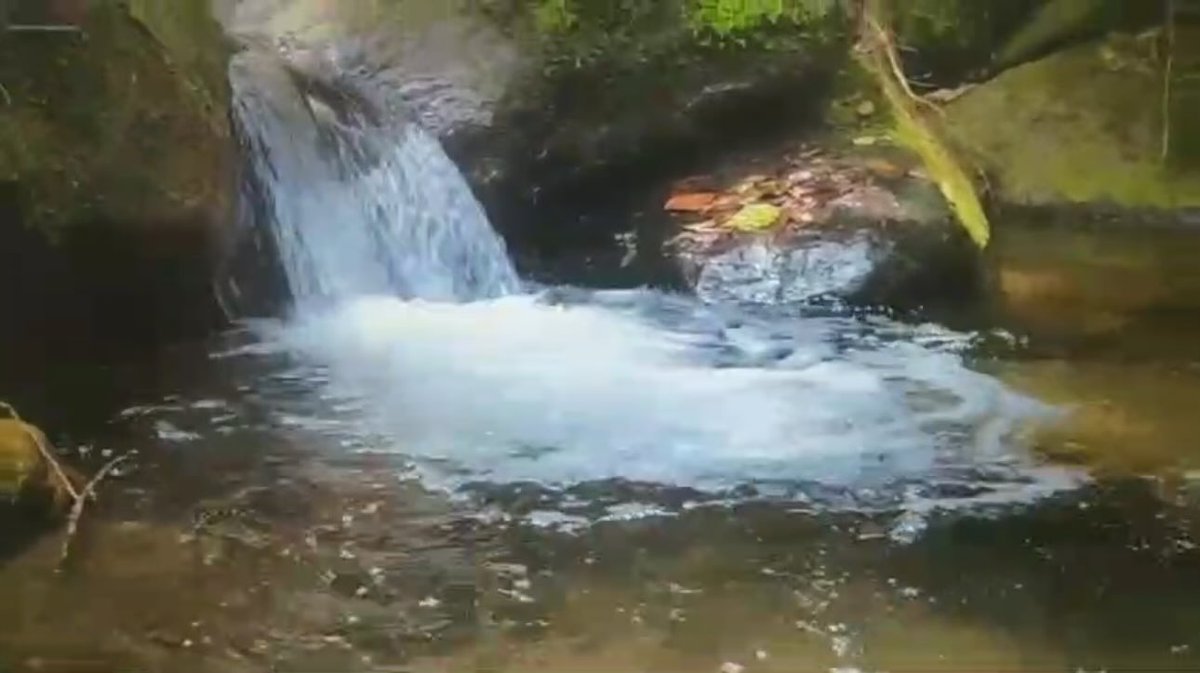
410 310
360 205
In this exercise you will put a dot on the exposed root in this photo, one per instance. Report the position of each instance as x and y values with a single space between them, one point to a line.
885 43
913 131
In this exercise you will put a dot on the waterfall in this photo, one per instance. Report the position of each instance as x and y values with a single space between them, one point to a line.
358 204
429 348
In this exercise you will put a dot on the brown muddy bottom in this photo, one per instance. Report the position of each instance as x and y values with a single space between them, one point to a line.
280 519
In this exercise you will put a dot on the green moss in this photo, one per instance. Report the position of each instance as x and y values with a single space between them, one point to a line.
1081 126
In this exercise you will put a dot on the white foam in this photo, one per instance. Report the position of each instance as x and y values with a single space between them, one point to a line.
517 389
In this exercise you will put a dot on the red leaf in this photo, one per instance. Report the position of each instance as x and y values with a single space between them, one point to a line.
693 202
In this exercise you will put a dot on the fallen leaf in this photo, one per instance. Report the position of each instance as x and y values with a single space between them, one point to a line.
884 168
865 108
749 184
692 202
800 176
696 183
772 186
755 217
726 202
865 141
705 226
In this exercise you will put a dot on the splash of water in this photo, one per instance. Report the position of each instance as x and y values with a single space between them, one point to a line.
573 387
360 205
658 389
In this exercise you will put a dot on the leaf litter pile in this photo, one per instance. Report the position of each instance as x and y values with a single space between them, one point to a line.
800 195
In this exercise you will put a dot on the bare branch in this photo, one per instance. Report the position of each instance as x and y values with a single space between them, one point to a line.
89 491
1168 72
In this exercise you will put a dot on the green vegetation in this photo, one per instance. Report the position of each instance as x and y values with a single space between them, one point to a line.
1082 126
1090 123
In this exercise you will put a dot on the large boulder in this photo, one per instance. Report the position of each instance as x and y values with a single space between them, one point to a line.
1086 126
117 170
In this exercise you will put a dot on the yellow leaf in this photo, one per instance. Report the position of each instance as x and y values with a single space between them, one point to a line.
755 217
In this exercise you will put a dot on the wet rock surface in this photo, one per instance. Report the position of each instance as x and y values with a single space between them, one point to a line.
556 127
116 176
834 225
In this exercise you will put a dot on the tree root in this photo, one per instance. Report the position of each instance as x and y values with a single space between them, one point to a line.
887 46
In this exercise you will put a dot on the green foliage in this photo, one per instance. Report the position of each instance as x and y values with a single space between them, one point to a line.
584 31
554 16
941 22
727 17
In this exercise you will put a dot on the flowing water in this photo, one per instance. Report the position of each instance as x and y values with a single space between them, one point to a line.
359 206
422 323
431 466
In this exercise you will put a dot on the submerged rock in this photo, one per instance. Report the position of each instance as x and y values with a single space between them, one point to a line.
1097 286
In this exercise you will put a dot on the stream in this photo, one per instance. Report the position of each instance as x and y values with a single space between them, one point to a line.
431 464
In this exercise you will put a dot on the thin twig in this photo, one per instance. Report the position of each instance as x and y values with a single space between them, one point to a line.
1167 75
889 51
53 461
89 491
44 28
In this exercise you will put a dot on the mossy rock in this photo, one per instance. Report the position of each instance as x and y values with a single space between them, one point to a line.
124 120
19 459
25 477
1084 126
